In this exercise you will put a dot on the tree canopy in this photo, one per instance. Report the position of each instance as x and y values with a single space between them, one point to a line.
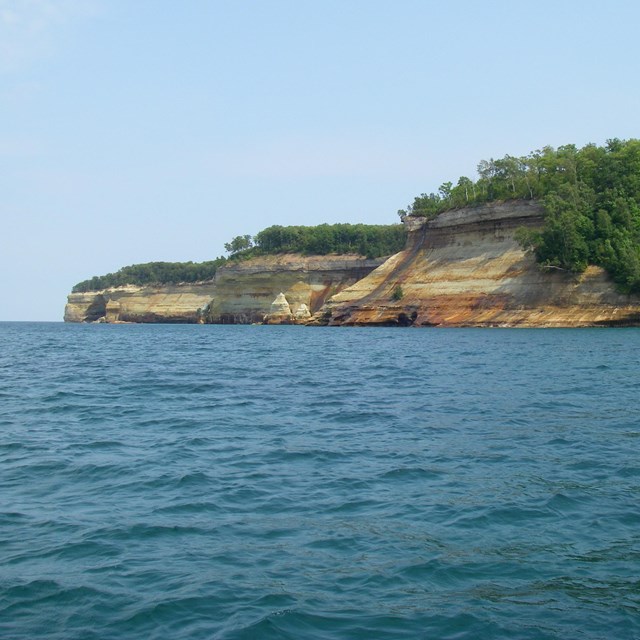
365 239
153 273
591 198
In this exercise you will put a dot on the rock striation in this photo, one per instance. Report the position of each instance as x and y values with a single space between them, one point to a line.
465 268
241 293
178 303
245 290
280 312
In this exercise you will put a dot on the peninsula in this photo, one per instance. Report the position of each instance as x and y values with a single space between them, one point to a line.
548 240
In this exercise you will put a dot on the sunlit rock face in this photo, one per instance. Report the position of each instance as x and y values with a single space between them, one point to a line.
465 268
180 303
302 313
242 292
112 311
245 290
280 312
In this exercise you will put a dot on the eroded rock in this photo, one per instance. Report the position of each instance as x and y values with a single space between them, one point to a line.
465 268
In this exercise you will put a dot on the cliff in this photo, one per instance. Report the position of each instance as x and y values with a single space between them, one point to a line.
241 293
245 290
465 268
177 303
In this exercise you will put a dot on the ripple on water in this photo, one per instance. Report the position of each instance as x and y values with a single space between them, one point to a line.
250 482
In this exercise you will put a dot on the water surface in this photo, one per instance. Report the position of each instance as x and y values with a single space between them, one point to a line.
236 482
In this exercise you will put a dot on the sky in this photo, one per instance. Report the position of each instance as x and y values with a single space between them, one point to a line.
140 130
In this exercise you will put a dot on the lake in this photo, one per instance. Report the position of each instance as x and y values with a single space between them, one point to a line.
238 482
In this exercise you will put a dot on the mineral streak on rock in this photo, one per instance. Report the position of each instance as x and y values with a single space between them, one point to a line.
245 290
465 268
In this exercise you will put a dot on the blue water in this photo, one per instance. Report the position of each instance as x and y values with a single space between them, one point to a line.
236 482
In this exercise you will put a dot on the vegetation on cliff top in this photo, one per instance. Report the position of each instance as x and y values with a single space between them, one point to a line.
368 240
591 198
153 273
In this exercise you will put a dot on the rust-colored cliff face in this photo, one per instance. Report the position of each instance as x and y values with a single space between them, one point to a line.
465 268
245 290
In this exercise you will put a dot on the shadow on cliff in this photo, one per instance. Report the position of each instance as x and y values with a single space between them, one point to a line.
97 309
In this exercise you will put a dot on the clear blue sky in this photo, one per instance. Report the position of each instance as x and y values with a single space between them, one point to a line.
140 130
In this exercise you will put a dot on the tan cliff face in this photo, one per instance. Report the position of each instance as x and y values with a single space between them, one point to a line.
465 268
180 303
241 293
246 290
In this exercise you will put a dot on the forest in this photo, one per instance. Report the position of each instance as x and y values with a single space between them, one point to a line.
591 199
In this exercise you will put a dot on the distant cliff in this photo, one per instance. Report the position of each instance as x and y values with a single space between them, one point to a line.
241 293
177 303
465 268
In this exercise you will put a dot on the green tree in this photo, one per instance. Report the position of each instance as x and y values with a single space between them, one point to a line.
239 243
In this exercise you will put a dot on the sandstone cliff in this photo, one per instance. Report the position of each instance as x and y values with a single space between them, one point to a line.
169 303
245 290
241 293
465 268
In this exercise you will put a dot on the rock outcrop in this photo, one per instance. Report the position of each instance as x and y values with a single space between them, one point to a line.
280 312
302 313
178 303
245 290
242 292
465 268
112 311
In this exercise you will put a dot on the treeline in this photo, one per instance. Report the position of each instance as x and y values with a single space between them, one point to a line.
591 198
152 273
368 240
